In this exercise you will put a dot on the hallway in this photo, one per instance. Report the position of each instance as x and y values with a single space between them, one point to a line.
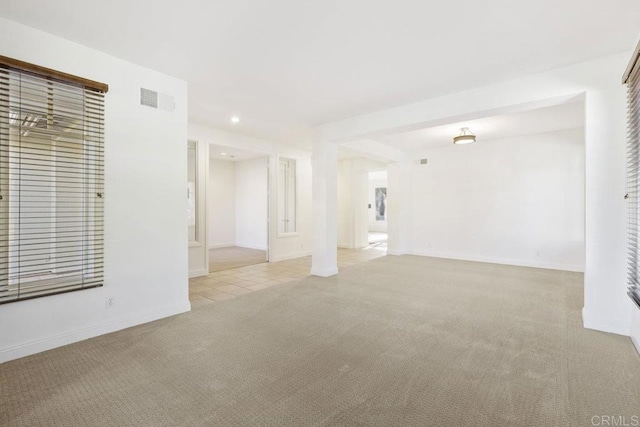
229 283
234 257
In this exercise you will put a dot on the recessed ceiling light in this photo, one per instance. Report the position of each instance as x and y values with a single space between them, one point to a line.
223 153
235 119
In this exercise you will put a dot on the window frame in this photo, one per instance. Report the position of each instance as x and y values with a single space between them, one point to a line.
631 78
51 148
291 193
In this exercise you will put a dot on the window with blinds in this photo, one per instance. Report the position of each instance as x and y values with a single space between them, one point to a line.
51 182
632 79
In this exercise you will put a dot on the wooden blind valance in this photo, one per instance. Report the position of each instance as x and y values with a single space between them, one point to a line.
48 72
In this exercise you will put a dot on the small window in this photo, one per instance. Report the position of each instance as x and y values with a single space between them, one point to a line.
192 191
51 182
286 196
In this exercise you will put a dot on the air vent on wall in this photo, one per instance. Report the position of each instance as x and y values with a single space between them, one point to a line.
423 161
148 98
153 99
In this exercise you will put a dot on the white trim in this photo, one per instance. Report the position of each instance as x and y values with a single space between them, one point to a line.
296 196
222 245
251 246
197 273
505 261
287 235
396 252
612 326
346 246
49 343
285 257
324 272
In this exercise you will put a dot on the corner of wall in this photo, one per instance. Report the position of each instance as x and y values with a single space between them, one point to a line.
324 272
288 256
60 340
613 326
198 273
634 332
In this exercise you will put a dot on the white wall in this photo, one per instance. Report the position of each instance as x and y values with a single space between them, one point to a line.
251 203
353 199
298 244
374 224
351 215
635 328
293 245
221 212
513 201
145 204
606 305
198 255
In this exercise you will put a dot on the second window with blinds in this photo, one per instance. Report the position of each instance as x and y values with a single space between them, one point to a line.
51 182
287 197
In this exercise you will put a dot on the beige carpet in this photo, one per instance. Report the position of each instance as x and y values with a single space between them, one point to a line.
394 341
233 257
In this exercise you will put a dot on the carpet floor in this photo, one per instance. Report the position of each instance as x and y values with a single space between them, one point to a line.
394 341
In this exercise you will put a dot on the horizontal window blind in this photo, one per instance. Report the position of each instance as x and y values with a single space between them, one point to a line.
632 78
51 185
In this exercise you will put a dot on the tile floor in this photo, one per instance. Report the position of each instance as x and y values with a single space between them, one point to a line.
377 238
234 257
226 284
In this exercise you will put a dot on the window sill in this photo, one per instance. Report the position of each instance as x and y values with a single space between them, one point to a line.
287 235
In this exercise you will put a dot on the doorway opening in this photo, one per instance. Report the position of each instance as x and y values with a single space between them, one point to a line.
377 207
237 214
362 208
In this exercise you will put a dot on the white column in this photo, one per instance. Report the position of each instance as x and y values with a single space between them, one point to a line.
399 207
360 212
324 258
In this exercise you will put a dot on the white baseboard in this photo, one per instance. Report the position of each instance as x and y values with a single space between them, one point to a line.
251 246
49 343
240 245
505 261
343 246
613 326
284 257
396 252
326 272
222 245
197 273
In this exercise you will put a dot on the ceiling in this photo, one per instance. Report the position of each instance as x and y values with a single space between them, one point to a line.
346 154
378 175
220 152
284 66
550 119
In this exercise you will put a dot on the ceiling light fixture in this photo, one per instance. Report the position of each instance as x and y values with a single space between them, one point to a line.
465 137
223 153
235 119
